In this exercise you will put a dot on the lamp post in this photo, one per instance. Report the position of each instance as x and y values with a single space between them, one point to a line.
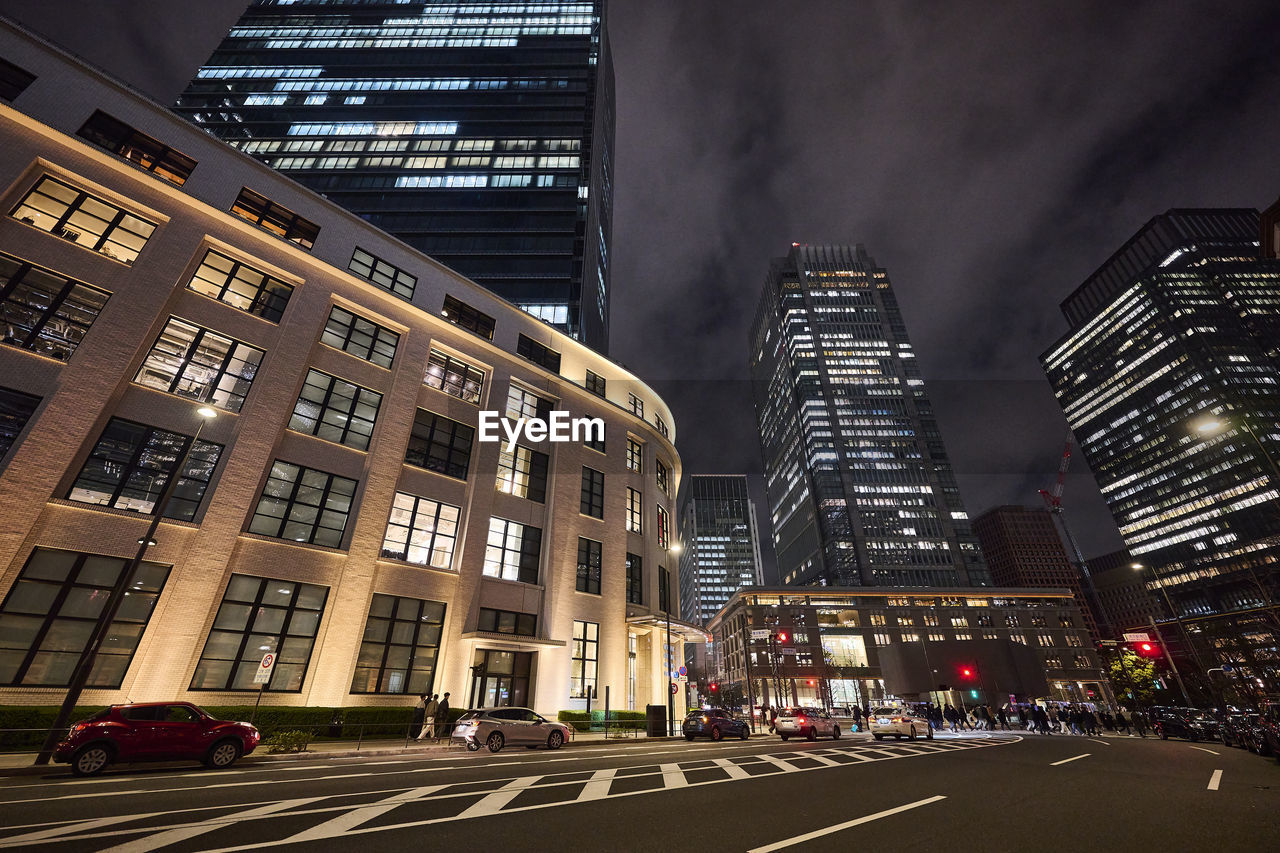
1182 629
671 696
84 667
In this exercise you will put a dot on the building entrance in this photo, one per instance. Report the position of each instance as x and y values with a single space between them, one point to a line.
500 678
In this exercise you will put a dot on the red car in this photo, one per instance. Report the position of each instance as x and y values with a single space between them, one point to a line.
153 731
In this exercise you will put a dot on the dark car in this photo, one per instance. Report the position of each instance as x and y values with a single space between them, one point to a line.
715 723
1269 729
154 731
1253 735
1188 723
1233 729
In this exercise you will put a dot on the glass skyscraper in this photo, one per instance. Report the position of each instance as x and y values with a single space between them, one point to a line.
1169 379
721 551
860 489
478 133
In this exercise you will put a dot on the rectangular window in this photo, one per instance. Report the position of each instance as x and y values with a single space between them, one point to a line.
664 476
635 579
260 616
635 511
304 505
135 146
664 590
636 405
84 219
664 529
538 354
592 502
454 377
586 645
400 646
383 274
661 425
336 410
596 444
16 409
507 622
523 473
241 286
440 444
276 218
51 612
131 463
44 312
595 383
523 403
13 80
461 314
421 531
513 551
635 456
360 337
590 564
200 364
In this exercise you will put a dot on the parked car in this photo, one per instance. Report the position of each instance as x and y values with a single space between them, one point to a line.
809 722
497 727
899 722
154 731
1233 729
1269 729
714 723
1189 723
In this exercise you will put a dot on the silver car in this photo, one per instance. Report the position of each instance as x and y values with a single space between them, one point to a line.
806 722
497 727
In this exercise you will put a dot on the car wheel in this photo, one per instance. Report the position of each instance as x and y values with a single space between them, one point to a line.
835 733
494 741
90 760
912 734
689 737
784 736
472 746
746 733
222 755
878 737
555 740
812 734
716 734
1164 735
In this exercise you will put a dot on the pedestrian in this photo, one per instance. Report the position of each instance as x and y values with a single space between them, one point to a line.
1022 718
442 717
1003 716
1090 723
1140 723
1122 725
429 720
419 713
773 718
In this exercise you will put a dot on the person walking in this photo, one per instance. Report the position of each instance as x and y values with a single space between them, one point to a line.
1122 725
773 718
442 717
429 719
1003 716
1140 723
419 714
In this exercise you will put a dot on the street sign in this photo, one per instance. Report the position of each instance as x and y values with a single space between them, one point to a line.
759 633
674 690
263 675
1226 667
1137 637
683 672
786 651
684 679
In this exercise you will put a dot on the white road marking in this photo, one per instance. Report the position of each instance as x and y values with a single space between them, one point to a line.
173 836
818 833
491 803
598 786
1099 740
1210 751
735 771
673 776
66 828
1215 780
1068 760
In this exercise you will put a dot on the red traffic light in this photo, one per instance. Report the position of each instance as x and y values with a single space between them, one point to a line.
714 687
967 672
782 636
811 682
1147 649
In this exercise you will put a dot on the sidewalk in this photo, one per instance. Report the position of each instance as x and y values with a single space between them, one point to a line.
20 763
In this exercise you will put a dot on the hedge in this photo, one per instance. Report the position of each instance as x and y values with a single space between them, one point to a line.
594 720
378 722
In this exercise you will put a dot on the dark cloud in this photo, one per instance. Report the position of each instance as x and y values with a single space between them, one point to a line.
989 155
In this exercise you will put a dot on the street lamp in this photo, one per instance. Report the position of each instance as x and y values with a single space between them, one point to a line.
673 548
84 667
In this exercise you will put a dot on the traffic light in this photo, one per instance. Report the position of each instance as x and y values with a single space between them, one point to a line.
812 682
715 688
968 672
1147 649
782 636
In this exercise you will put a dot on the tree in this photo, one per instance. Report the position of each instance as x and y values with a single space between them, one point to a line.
1134 677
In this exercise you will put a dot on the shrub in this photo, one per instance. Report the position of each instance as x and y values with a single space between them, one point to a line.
288 742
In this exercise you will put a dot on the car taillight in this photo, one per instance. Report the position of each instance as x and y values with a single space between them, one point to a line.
799 719
704 719
899 719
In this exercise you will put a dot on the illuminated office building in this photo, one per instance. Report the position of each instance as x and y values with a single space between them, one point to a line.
1168 378
859 485
481 134
721 546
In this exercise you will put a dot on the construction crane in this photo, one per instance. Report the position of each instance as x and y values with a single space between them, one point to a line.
1053 500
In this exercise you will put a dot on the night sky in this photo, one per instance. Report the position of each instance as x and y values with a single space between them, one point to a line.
989 155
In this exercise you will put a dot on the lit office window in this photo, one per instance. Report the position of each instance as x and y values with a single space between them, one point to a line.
663 476
260 616
523 473
523 403
586 645
84 219
44 312
513 551
198 363
241 286
635 456
135 146
276 218
635 510
454 377
421 531
664 529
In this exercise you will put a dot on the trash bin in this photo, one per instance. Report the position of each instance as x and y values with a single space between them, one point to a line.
656 717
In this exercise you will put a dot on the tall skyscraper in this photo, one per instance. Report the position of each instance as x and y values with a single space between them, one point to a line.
859 485
1123 593
721 551
1168 377
479 133
1023 549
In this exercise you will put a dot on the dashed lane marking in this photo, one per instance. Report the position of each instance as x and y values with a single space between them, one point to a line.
1069 760
1215 780
1210 751
818 833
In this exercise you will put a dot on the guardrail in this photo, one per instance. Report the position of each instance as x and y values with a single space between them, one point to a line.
611 728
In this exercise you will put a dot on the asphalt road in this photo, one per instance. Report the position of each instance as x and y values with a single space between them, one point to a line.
968 792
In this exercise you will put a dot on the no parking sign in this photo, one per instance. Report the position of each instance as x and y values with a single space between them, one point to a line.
263 675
